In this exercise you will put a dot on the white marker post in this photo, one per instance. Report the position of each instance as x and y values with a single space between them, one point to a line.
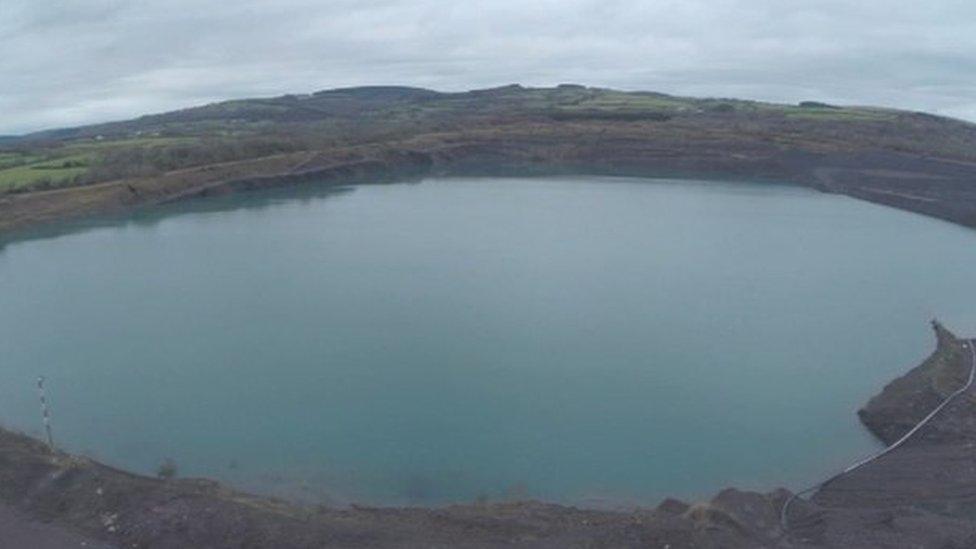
44 412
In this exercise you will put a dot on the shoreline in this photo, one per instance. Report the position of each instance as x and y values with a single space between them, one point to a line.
927 497
923 504
930 186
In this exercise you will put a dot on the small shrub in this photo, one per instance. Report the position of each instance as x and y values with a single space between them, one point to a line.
816 105
167 469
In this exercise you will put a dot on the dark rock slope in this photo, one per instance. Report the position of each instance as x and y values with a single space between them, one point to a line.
935 471
908 399
908 160
936 187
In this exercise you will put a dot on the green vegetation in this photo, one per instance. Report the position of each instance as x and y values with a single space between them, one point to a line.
254 128
614 100
167 469
26 171
840 114
817 105
52 165
12 160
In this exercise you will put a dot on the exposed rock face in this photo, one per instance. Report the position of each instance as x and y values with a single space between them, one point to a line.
923 494
906 400
344 166
939 187
936 469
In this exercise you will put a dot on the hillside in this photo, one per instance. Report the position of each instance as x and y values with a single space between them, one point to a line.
910 160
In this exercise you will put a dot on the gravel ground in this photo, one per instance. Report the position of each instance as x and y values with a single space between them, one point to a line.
20 532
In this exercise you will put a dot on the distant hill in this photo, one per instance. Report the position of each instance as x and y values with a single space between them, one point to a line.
397 106
517 129
370 102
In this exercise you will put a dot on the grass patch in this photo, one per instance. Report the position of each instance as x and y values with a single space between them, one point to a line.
92 145
839 114
52 171
14 159
620 101
38 174
67 163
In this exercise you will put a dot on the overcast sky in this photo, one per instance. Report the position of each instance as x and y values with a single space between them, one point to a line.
69 62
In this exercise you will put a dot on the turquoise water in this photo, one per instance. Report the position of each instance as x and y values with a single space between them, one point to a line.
594 341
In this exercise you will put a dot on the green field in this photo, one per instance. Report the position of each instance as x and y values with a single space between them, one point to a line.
65 164
27 176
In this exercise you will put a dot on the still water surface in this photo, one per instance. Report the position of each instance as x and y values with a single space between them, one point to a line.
587 340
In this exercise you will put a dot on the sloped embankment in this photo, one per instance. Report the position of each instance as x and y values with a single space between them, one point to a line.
921 495
133 511
938 187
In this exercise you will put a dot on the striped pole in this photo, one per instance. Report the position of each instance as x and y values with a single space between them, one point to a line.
45 414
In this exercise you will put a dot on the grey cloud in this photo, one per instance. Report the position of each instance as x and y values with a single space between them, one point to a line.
70 62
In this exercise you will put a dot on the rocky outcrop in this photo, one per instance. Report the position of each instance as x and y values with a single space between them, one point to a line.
908 399
935 470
